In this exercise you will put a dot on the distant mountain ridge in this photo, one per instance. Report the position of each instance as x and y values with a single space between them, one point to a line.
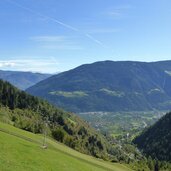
22 80
110 86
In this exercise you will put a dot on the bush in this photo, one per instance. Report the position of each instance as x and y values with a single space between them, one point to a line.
69 141
58 134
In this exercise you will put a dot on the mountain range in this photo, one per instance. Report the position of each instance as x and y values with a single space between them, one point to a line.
109 86
22 80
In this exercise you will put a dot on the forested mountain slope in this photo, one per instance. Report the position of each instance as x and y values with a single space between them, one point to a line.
35 115
156 141
109 86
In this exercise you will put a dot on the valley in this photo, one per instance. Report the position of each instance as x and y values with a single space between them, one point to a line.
85 85
122 125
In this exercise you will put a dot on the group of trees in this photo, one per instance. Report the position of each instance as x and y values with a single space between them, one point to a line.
32 114
155 144
155 141
149 164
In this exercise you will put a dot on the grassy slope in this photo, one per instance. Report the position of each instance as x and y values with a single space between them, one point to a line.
21 150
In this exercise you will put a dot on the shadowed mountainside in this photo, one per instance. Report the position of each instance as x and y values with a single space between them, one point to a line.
155 141
110 86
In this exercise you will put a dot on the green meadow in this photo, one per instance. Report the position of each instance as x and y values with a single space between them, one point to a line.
21 150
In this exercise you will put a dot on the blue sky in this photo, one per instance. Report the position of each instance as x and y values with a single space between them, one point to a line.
57 35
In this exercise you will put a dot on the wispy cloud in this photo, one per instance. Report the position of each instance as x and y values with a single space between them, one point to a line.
62 47
56 42
7 64
117 12
114 14
103 30
34 65
48 38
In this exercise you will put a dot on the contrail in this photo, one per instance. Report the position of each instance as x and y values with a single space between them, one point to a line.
95 40
58 22
41 15
63 24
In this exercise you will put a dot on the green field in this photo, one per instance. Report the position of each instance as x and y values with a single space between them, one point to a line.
21 150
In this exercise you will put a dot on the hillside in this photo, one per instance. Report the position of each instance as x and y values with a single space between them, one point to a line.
22 80
23 152
35 115
109 86
156 141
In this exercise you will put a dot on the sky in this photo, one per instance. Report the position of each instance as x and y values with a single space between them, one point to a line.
52 36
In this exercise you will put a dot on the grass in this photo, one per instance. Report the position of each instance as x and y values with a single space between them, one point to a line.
168 72
69 94
113 93
21 150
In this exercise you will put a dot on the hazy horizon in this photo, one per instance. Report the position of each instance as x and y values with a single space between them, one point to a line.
57 72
